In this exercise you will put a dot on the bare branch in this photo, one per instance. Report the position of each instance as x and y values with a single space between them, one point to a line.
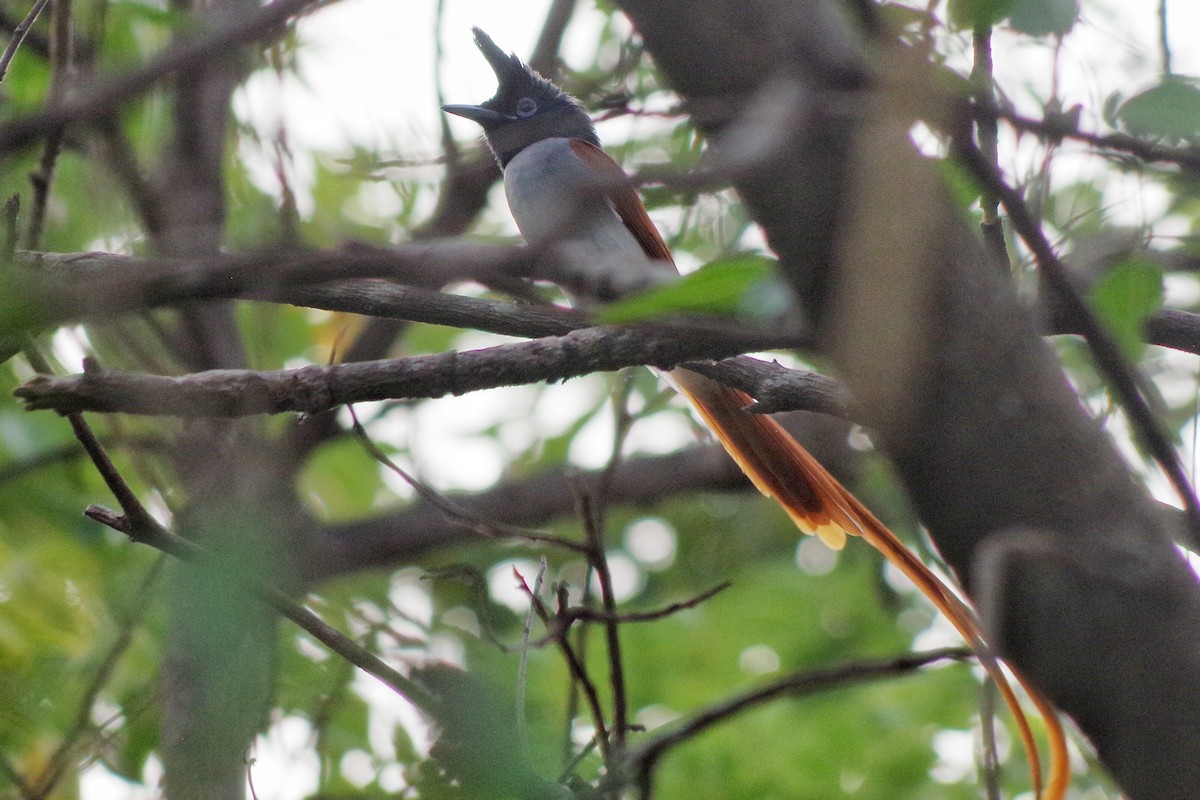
1065 126
574 663
455 514
102 96
50 288
645 758
420 531
20 31
309 390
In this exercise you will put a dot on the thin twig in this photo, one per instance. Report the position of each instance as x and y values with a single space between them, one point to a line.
991 226
453 512
584 614
592 510
598 561
566 616
575 665
987 729
125 496
150 533
523 662
42 178
18 35
1110 361
139 525
645 758
1065 126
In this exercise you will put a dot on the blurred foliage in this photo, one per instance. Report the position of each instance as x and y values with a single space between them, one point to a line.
82 620
728 286
1169 112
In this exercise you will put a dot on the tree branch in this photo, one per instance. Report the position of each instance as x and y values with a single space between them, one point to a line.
421 530
102 96
309 390
43 289
643 760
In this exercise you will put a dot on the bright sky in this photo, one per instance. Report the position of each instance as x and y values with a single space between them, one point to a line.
368 77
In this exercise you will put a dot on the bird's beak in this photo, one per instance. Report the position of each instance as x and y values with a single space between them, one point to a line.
484 116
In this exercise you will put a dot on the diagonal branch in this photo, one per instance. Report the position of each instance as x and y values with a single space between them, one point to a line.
644 759
102 96
1112 363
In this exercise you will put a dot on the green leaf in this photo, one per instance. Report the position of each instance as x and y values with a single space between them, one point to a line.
970 14
1169 111
1043 17
1124 297
724 286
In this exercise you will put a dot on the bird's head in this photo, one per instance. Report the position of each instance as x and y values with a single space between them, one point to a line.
526 108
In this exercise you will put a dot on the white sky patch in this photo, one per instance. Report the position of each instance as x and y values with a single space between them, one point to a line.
627 577
662 433
940 633
357 767
1180 383
1192 559
813 557
759 659
70 346
956 756
285 764
652 541
558 405
410 595
655 716
98 783
446 442
592 447
503 586
1180 290
387 711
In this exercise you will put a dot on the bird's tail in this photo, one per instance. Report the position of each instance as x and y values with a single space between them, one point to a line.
819 505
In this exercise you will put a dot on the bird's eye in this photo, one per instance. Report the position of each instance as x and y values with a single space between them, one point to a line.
526 107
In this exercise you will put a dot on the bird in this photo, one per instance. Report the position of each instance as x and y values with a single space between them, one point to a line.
562 187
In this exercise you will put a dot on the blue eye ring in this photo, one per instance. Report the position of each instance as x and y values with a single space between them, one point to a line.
526 107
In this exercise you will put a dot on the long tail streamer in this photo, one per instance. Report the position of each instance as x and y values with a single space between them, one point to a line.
819 505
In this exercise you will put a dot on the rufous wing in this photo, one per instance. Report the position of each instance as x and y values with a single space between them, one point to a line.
624 199
774 461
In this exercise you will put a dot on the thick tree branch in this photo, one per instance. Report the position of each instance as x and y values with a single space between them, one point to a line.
421 531
309 390
42 289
